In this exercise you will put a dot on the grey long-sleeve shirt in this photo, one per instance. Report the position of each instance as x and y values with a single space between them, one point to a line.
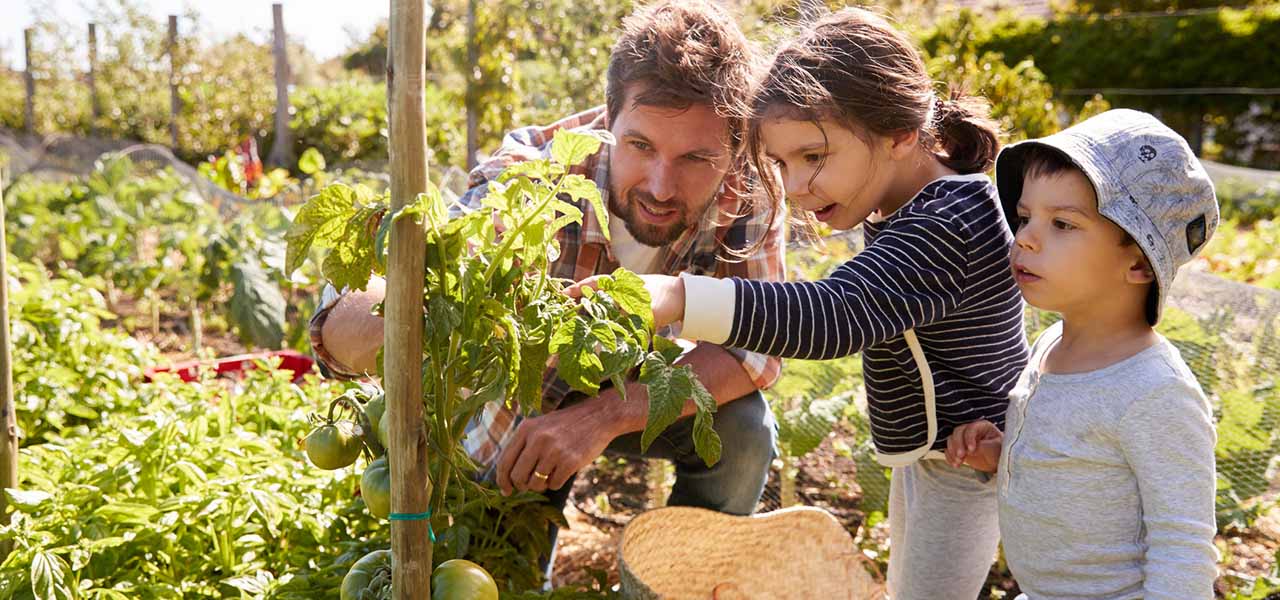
1106 480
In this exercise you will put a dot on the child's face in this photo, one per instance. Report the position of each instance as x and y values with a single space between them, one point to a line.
838 177
1066 257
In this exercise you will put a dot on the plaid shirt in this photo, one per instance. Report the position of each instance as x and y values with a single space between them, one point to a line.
584 252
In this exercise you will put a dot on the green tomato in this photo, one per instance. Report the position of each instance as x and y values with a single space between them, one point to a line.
375 487
362 573
374 409
384 433
333 445
459 579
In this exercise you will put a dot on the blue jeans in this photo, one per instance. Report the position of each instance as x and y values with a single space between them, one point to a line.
748 436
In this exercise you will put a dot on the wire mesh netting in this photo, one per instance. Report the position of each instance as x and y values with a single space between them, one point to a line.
1226 332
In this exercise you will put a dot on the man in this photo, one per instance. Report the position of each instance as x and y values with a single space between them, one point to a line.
677 84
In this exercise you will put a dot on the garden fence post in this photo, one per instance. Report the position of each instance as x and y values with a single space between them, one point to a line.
30 112
282 148
173 81
94 101
402 357
8 418
473 111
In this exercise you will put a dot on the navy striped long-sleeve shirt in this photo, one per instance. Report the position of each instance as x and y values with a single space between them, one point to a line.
938 266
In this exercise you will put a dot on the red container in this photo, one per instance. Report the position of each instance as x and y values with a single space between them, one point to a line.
233 366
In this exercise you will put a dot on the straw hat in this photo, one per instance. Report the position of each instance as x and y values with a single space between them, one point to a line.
680 553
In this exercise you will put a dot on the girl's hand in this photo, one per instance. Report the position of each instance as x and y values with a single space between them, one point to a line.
666 296
976 444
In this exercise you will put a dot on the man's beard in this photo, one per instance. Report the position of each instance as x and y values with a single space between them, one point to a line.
647 233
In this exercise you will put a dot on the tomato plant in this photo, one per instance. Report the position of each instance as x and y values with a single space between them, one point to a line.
481 279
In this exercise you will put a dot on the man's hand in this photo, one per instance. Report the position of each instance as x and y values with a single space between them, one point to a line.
547 450
976 444
666 296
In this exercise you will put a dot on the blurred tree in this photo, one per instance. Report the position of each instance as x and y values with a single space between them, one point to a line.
370 55
1134 6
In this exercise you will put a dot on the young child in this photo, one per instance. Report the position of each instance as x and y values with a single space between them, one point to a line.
1106 474
847 121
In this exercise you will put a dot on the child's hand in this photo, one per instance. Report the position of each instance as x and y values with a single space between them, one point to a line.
976 444
666 296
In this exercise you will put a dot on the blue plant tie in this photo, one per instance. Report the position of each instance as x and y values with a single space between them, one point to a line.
422 516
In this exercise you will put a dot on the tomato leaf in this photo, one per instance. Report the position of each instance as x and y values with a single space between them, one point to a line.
579 365
318 221
627 289
705 439
257 306
572 147
428 207
311 161
668 389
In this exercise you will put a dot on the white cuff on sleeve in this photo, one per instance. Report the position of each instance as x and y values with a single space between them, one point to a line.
708 308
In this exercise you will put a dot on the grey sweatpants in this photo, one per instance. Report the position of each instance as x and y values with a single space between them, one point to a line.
943 531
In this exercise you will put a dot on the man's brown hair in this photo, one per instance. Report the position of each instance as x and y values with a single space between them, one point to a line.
684 52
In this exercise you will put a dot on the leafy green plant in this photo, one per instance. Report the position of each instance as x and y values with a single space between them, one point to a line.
493 316
246 178
1020 95
190 491
1246 203
1248 254
345 120
152 238
69 372
1215 48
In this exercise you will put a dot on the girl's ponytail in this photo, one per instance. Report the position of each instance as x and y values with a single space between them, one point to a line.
965 133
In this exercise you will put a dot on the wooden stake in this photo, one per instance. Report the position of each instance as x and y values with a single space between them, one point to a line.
282 148
473 111
197 328
94 101
8 418
406 78
174 105
29 77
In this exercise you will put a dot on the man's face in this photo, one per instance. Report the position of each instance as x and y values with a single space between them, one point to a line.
666 168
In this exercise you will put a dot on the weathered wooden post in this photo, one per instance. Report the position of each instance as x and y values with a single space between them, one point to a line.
8 418
94 102
473 111
173 82
282 148
402 356
29 114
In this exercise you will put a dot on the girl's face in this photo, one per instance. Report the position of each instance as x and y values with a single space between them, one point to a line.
838 177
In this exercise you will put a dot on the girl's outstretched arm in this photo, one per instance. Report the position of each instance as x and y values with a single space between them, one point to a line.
913 274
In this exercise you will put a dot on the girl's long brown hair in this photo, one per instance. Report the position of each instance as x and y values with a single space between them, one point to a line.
856 69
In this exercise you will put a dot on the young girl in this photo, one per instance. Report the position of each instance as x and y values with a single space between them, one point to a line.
847 122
